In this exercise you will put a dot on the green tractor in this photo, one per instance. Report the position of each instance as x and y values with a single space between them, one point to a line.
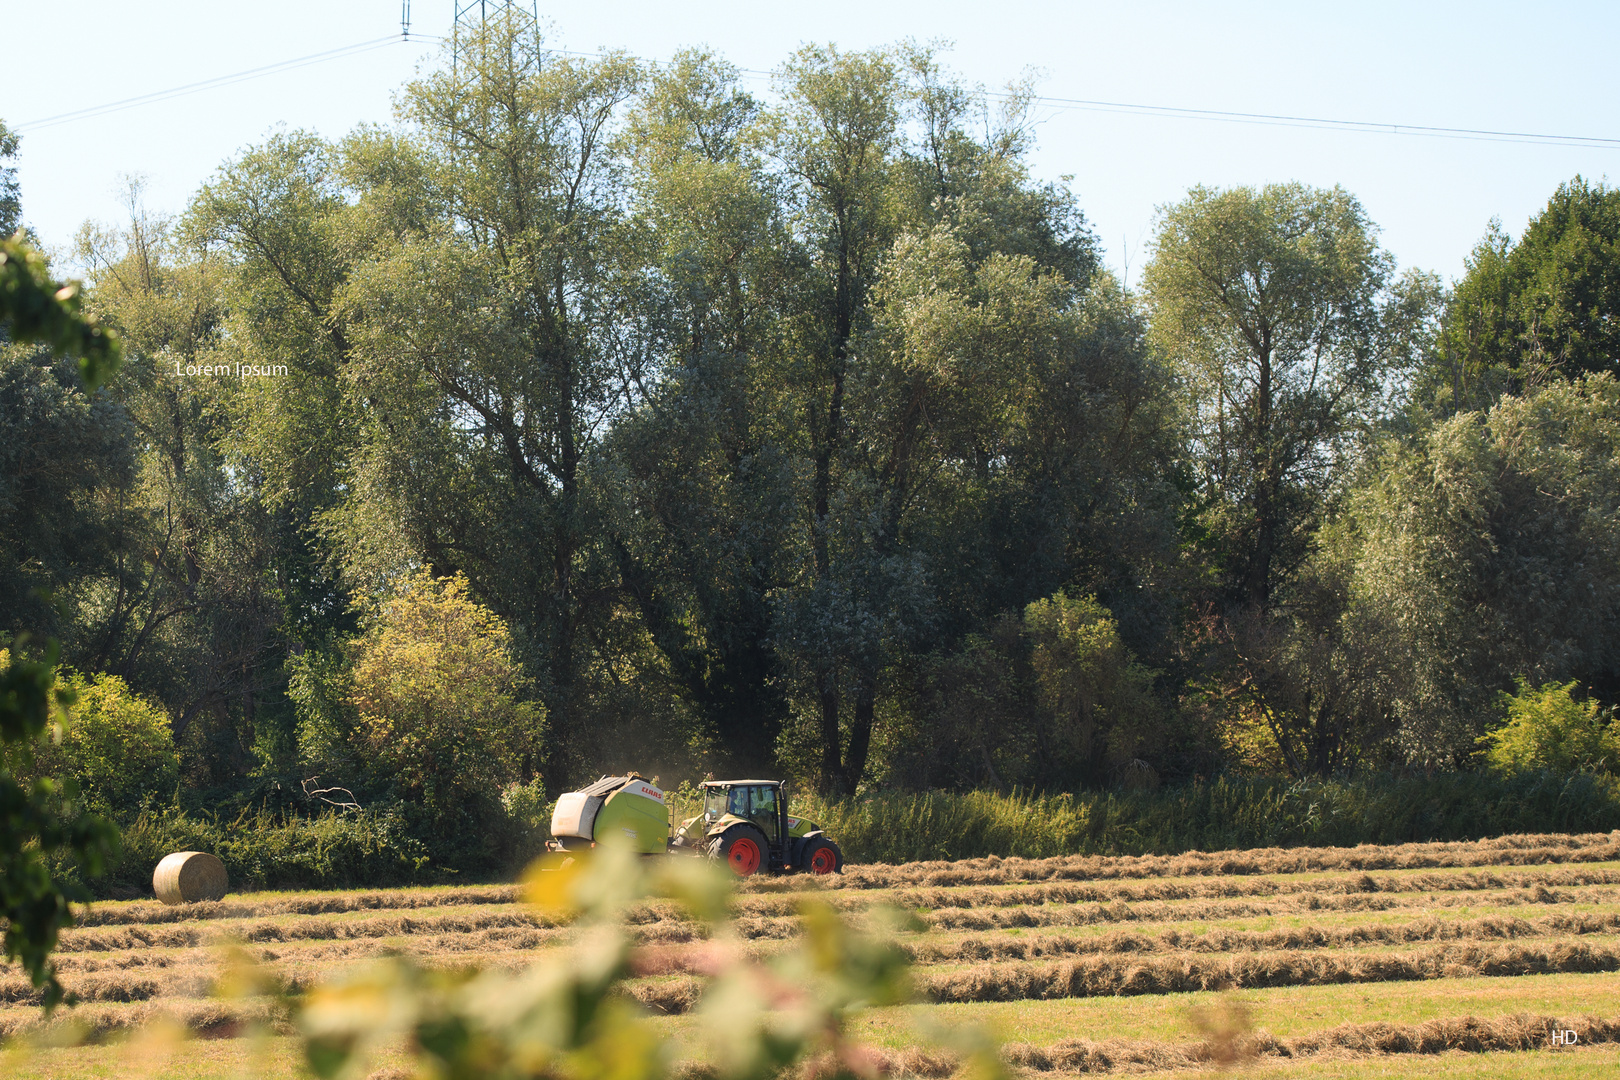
746 823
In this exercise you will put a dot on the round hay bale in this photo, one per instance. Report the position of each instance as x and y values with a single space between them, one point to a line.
188 876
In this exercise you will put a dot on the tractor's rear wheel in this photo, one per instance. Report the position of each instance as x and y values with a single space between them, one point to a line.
742 849
822 857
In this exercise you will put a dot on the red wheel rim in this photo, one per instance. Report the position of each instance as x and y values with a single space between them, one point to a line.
823 861
743 856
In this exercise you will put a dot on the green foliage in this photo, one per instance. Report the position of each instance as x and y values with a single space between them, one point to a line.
1101 698
1223 814
1491 544
1049 700
119 748
1547 729
1277 307
441 720
34 308
10 190
1543 308
265 850
41 821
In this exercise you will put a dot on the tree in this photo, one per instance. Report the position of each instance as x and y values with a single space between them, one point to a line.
189 612
1277 307
42 820
1545 307
696 481
442 719
1491 543
10 190
484 340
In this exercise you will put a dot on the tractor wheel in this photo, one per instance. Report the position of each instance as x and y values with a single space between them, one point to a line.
822 857
742 849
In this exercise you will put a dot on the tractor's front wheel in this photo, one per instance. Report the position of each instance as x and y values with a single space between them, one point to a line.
822 857
742 849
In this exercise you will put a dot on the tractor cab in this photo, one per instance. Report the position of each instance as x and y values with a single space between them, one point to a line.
746 823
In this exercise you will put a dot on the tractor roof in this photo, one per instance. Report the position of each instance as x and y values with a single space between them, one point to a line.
737 783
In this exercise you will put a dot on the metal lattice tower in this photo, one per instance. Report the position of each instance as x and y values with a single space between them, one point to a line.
472 14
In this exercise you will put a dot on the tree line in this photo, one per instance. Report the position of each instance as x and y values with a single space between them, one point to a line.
629 419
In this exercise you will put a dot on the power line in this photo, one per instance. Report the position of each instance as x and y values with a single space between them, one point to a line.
1081 104
210 84
1367 126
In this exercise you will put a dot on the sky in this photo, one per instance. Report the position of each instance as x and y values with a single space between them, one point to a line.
1546 68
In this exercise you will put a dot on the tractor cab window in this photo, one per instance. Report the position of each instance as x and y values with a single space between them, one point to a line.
764 811
739 802
714 804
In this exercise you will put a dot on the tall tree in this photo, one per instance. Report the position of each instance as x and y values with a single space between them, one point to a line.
1545 307
697 476
1277 307
485 339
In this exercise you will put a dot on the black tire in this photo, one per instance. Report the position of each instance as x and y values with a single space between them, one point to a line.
743 849
821 856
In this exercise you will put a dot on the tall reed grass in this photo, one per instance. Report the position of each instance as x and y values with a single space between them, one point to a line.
1223 814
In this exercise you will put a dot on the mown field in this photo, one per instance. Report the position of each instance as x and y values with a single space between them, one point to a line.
1414 960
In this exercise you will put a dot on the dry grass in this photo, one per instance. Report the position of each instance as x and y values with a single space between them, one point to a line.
1468 1034
1523 850
1181 973
1490 928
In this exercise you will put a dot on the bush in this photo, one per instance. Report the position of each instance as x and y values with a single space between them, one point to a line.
118 746
440 719
1548 729
263 850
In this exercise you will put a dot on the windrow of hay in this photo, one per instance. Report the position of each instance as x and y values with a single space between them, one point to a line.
1225 889
306 929
1209 910
1503 851
1469 1034
1110 976
1119 942
147 912
98 1020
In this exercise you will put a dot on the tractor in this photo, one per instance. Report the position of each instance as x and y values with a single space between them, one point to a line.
744 822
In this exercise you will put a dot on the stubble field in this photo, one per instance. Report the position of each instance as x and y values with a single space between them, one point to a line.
1444 960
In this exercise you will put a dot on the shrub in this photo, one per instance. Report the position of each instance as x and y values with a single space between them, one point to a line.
119 747
1548 729
441 719
262 850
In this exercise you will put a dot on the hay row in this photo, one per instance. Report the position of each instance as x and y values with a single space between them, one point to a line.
1153 911
206 1017
1120 942
1517 850
1114 976
308 929
1109 891
150 912
1469 1034
1524 850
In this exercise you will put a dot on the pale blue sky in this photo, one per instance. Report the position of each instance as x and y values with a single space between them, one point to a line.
1548 67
